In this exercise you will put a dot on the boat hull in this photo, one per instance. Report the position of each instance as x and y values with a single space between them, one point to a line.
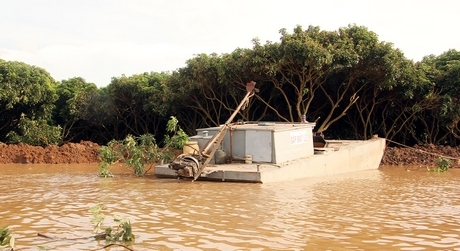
340 156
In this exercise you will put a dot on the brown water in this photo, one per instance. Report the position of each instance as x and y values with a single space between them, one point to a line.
388 209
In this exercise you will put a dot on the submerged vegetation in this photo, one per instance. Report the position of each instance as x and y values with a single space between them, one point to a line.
442 164
121 231
6 239
140 154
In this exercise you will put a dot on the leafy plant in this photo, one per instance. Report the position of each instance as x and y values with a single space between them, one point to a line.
24 89
109 156
142 151
442 164
121 231
137 152
35 132
179 137
6 240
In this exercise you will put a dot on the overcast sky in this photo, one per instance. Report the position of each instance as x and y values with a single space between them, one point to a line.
101 39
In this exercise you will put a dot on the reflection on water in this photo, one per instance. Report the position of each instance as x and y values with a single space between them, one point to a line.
387 209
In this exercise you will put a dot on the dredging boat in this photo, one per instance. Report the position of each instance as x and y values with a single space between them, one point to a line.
263 152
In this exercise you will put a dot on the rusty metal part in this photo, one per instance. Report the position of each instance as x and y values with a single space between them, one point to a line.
186 165
193 166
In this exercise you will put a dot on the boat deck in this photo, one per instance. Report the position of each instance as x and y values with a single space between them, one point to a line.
338 157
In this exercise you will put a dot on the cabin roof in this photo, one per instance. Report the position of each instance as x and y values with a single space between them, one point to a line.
265 126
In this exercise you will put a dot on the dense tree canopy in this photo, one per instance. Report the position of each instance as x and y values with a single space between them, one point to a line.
73 106
347 81
440 125
25 91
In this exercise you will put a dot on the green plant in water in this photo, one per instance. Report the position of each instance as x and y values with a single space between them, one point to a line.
142 151
442 164
6 240
179 137
136 152
121 231
110 155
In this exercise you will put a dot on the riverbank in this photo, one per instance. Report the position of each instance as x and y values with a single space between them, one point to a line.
83 152
424 156
88 152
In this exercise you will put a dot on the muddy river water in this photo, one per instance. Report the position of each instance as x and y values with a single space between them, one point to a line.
386 209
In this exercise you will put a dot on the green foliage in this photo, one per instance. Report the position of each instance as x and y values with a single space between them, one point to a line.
35 132
23 84
142 151
442 164
135 102
109 155
75 98
179 137
345 80
24 89
135 151
98 217
121 231
6 240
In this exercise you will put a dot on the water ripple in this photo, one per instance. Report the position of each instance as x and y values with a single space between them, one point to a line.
387 209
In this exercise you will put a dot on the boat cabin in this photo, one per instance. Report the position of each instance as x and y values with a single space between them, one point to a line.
262 142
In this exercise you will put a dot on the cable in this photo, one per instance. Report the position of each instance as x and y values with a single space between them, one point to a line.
437 154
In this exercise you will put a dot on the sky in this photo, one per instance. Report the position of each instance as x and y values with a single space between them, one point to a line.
101 39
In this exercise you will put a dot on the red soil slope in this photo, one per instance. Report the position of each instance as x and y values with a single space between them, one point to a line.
88 152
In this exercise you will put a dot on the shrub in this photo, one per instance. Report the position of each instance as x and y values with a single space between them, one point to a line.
35 132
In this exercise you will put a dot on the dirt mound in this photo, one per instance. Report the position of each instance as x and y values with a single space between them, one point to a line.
83 152
88 152
425 155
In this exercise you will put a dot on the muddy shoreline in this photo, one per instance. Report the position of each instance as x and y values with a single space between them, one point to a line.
88 152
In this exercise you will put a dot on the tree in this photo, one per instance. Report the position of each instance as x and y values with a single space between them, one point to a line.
133 103
314 72
101 119
242 66
35 132
197 89
73 106
444 72
383 78
24 91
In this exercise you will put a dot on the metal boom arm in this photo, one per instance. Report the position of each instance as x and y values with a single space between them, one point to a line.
215 141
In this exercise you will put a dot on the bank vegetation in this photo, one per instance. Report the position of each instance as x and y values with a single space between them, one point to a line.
347 81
